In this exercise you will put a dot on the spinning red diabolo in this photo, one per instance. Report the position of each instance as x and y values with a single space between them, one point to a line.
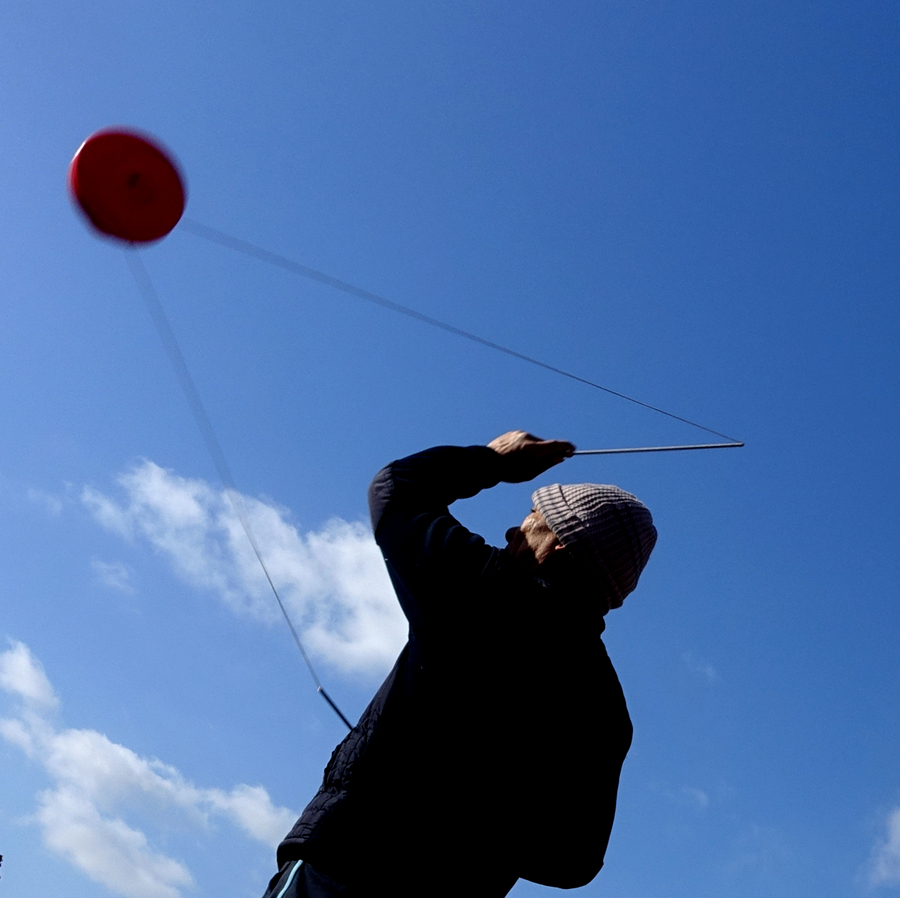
127 186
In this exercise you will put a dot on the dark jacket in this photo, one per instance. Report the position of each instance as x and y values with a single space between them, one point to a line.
499 735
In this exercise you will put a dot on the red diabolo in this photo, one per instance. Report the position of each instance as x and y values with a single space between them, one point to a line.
127 186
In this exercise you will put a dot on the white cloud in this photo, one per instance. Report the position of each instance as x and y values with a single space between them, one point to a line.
16 733
252 810
97 783
113 574
106 848
21 673
89 760
107 512
884 867
332 582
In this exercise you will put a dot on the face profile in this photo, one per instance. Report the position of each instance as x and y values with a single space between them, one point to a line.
532 541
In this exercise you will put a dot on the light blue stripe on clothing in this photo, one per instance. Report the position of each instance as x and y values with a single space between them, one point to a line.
290 879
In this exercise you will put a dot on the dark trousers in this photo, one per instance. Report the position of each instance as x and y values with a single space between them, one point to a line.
299 880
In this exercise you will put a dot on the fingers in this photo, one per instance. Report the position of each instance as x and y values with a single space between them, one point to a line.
549 453
519 440
511 441
526 456
562 448
552 451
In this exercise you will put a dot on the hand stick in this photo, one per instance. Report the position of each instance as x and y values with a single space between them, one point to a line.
657 449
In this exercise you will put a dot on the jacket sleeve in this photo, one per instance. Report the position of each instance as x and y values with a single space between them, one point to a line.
439 568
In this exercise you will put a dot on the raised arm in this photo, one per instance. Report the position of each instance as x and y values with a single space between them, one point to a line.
436 478
436 564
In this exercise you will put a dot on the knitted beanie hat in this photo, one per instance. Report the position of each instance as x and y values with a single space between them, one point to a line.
609 530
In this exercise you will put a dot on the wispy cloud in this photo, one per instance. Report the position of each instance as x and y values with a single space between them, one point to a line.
761 852
685 796
52 504
700 668
95 783
695 797
333 581
884 865
114 574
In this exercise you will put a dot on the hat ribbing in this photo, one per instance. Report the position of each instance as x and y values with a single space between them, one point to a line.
610 530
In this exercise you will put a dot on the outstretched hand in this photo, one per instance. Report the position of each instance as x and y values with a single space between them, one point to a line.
525 456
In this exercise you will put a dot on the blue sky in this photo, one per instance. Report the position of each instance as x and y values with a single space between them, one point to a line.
692 203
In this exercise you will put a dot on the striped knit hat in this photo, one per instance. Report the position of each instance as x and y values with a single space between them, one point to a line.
609 530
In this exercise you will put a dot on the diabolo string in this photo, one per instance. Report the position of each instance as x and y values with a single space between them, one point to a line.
189 388
214 235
